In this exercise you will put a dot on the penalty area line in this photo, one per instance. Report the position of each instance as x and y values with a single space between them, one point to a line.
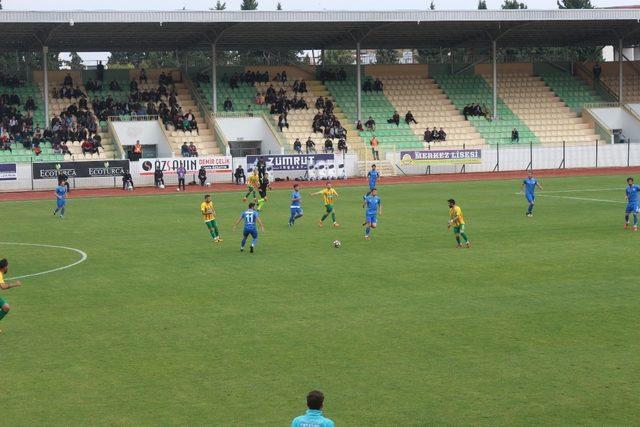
584 199
83 257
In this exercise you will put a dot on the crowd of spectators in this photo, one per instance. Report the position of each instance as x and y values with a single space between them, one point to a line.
10 81
435 135
373 86
475 110
332 75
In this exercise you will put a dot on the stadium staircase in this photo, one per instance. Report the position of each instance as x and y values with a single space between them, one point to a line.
467 89
431 108
19 154
542 111
57 106
572 90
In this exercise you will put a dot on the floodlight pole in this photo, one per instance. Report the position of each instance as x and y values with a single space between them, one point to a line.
45 67
494 49
358 83
214 80
620 72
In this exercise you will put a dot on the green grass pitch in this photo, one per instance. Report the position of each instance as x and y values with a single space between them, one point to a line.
537 324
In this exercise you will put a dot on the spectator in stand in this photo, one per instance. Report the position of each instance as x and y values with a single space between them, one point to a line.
240 176
297 146
374 148
303 86
434 134
259 99
378 85
115 86
442 135
182 173
228 105
30 105
64 148
310 146
282 122
367 86
203 77
313 417
408 118
100 71
193 150
370 124
158 177
328 146
127 180
597 71
342 146
184 149
5 144
87 147
515 135
68 80
320 103
233 82
359 126
202 176
427 135
143 75
395 118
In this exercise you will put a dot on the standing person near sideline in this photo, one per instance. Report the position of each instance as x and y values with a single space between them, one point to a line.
202 176
251 217
4 306
158 177
529 186
61 200
373 175
374 148
633 204
182 173
456 220
328 196
209 217
313 417
296 205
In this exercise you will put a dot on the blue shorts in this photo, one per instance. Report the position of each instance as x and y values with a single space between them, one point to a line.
250 232
530 197
633 208
371 218
372 185
296 211
61 203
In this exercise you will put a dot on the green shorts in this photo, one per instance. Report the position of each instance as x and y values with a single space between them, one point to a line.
329 208
210 224
459 229
2 301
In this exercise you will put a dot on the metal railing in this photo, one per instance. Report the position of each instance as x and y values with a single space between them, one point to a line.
134 118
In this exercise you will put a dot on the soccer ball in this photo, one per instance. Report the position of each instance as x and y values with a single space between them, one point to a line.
336 243
162 186
178 189
207 184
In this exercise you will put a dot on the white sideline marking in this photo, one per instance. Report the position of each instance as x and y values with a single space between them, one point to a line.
621 189
586 199
83 257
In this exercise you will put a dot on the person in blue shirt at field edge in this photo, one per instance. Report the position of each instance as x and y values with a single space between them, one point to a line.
313 417
529 186
633 204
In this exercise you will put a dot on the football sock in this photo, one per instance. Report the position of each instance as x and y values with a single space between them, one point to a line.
244 242
530 210
635 219
333 217
458 239
215 231
626 218
292 219
367 231
464 236
324 217
2 314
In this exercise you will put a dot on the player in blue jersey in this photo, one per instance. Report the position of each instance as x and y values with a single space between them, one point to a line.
296 205
529 186
313 417
61 199
373 207
373 176
633 204
251 217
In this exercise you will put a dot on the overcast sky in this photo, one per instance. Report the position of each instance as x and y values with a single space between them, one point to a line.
287 4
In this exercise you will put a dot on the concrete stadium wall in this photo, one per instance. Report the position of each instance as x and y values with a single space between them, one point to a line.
376 70
508 68
148 132
250 129
618 118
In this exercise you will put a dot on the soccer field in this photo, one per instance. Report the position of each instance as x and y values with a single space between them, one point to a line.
537 324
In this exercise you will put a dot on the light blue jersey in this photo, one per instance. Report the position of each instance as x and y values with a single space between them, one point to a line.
61 195
296 200
372 204
530 189
633 199
373 176
250 217
313 418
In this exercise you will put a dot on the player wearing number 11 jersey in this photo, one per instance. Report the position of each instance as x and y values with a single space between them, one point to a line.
251 217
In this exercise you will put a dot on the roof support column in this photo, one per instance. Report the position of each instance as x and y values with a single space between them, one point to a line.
214 79
45 68
494 49
620 72
358 83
